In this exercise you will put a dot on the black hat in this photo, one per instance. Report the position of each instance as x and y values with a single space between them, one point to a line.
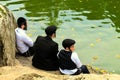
50 30
68 43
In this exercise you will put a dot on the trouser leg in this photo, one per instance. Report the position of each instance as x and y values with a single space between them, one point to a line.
84 69
78 72
31 51
28 53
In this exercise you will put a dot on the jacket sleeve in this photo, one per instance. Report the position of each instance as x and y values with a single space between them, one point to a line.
55 50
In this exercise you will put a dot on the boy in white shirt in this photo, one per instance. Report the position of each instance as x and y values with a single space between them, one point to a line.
23 42
69 61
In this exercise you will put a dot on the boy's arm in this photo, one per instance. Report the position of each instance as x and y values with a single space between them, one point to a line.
76 59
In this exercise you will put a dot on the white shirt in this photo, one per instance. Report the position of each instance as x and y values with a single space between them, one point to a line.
75 59
22 40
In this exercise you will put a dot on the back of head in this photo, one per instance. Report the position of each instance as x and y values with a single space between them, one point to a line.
50 30
68 43
21 21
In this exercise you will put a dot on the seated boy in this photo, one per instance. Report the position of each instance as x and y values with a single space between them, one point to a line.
69 61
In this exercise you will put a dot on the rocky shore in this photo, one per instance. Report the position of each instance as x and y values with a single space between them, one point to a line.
25 71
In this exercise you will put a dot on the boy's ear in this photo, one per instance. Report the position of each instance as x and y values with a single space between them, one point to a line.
53 35
22 26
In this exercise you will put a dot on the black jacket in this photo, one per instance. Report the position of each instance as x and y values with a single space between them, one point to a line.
65 60
45 54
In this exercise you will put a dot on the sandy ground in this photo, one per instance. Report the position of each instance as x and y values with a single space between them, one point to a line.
25 71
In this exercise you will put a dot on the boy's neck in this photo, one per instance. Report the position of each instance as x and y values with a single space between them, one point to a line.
67 50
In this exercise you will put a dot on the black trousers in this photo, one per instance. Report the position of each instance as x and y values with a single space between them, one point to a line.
28 53
83 69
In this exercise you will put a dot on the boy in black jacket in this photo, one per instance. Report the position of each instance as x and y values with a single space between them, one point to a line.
69 61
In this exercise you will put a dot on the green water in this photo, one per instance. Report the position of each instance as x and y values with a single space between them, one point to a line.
94 24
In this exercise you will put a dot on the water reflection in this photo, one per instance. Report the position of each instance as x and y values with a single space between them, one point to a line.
58 11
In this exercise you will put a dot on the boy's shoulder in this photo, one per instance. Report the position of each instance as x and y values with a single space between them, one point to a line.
65 52
74 54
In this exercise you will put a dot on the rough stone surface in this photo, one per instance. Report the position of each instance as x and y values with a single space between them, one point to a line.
7 37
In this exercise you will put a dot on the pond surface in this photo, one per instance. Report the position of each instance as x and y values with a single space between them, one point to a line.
94 24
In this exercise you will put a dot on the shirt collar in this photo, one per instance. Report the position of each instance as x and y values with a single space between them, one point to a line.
48 37
21 30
